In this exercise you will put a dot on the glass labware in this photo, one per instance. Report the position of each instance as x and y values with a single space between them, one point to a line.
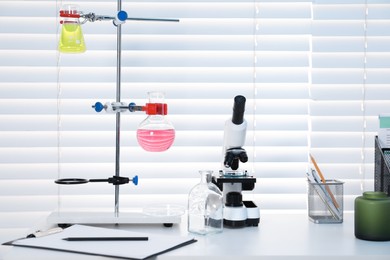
71 39
156 133
205 207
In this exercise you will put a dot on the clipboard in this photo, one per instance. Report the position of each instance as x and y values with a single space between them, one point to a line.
139 250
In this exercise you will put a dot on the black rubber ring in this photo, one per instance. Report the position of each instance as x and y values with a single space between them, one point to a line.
71 181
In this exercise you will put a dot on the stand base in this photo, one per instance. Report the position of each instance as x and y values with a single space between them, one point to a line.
68 218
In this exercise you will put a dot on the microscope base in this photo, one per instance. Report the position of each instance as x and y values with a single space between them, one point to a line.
238 217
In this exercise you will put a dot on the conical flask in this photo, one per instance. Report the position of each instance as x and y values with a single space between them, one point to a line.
71 39
156 133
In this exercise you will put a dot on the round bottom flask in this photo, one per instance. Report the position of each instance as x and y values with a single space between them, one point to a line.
205 207
156 133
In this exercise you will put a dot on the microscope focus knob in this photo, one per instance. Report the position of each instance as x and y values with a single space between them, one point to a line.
234 199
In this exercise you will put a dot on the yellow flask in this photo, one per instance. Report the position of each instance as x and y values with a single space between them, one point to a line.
72 40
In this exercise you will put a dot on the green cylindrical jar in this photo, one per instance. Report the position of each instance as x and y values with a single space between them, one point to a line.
372 216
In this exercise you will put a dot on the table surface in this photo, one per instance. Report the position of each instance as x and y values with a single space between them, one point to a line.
278 236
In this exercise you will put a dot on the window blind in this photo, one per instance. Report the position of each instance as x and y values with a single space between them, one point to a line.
314 74
348 90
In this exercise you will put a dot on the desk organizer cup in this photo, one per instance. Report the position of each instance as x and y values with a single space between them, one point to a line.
325 201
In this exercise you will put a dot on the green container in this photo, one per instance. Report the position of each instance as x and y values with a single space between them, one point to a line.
372 216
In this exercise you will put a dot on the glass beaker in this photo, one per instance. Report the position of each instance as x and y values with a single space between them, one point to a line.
156 133
205 207
71 39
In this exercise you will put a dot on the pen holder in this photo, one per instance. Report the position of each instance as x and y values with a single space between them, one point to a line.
325 201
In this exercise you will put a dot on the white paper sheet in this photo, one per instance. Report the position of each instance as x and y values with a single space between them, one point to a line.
156 244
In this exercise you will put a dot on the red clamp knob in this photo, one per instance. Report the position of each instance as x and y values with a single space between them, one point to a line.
156 109
70 14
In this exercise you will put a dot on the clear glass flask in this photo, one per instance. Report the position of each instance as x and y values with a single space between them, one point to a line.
71 39
156 133
205 207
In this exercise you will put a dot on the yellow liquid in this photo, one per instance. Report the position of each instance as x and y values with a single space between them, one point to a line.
72 40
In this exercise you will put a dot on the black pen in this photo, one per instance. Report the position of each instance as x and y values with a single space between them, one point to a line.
106 238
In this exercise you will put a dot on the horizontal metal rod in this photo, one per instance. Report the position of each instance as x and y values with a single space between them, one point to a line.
153 19
94 17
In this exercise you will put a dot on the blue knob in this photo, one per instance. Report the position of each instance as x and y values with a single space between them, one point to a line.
135 180
122 16
98 107
131 107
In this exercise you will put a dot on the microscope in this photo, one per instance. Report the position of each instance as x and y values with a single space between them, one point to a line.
232 180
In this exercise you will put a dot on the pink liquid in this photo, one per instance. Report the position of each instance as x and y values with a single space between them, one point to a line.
155 140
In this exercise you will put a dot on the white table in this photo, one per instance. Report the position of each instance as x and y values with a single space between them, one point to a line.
279 236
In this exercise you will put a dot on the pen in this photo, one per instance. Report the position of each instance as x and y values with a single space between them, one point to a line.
106 239
45 233
324 181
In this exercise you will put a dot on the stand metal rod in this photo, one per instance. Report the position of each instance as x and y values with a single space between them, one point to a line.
118 114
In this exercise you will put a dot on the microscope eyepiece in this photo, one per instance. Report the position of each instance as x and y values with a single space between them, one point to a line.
238 110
